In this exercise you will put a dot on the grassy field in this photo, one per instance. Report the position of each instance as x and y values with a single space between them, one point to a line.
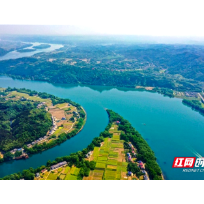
110 158
34 98
62 105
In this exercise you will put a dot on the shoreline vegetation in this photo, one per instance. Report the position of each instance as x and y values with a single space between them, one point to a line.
66 119
160 90
195 105
76 166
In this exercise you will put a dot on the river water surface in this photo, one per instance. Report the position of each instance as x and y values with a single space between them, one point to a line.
171 129
15 54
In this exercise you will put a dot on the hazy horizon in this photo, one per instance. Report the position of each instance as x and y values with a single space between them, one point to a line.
66 31
172 30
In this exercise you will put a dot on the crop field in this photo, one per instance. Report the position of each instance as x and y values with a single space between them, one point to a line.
62 105
52 176
62 173
110 159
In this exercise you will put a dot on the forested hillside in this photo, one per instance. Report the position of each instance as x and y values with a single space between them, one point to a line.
21 122
177 67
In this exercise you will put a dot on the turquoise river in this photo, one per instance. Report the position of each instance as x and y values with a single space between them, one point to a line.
172 129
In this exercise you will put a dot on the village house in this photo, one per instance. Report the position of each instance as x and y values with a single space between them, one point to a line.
58 165
130 173
37 174
43 171
88 154
141 165
129 158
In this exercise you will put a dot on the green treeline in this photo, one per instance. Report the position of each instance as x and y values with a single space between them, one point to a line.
77 159
194 104
165 92
144 151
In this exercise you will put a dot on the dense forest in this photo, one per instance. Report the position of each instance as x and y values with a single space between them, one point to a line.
78 159
177 67
21 122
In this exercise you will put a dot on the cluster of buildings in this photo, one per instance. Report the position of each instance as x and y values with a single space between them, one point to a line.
133 149
129 157
58 165
15 150
141 165
54 126
37 141
40 104
52 168
191 94
145 175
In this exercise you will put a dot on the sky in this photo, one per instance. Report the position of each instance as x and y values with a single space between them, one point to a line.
170 30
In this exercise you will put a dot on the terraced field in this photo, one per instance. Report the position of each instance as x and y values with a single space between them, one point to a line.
110 159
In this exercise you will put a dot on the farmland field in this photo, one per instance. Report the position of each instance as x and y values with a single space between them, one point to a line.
110 158
62 173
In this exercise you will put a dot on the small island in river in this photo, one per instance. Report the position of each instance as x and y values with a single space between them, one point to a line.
42 46
26 50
